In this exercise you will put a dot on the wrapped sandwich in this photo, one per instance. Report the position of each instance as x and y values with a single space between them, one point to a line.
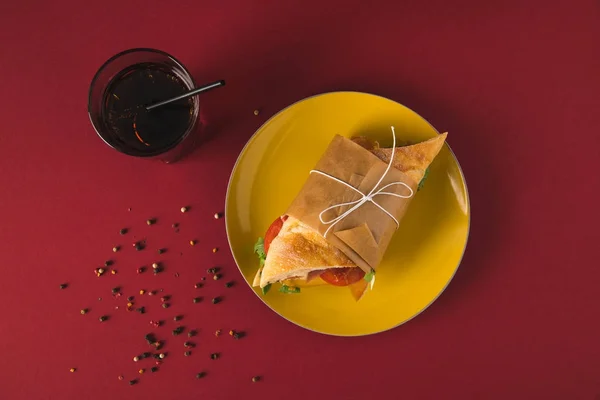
338 227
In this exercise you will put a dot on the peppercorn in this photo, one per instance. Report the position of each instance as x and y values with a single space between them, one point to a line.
84 311
162 355
138 246
214 356
212 270
150 221
136 359
229 284
256 112
192 242
175 225
63 286
155 324
200 375
255 378
116 290
217 215
215 249
203 278
191 333
157 345
123 231
187 353
145 355
99 271
115 249
160 251
177 318
153 369
187 344
165 298
108 263
216 300
73 369
155 265
156 356
149 337
197 299
218 333
165 305
152 293
184 209
141 310
142 291
141 270
141 371
130 298
197 285
103 318
120 377
216 277
133 382
237 335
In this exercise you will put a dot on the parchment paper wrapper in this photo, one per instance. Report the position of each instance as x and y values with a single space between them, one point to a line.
364 234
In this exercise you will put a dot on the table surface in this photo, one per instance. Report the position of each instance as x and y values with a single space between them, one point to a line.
515 85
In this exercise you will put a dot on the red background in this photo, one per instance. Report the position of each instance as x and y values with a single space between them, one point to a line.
515 85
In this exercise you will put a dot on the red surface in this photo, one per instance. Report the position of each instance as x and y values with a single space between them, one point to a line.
517 88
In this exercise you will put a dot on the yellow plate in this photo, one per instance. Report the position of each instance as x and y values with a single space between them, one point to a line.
425 251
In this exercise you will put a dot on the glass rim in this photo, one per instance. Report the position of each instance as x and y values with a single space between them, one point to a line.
191 126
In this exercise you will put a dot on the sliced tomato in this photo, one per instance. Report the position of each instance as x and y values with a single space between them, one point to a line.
273 231
342 276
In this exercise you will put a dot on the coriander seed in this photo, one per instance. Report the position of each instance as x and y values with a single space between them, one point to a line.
216 277
141 371
155 265
217 215
142 291
162 355
256 112
255 378
218 333
192 242
215 249
115 249
84 311
136 359
184 209
72 369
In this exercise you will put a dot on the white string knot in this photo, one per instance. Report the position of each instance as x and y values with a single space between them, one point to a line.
356 204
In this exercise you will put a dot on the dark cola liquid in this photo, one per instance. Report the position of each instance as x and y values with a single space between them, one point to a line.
131 127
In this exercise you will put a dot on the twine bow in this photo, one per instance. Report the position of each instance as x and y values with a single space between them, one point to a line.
356 204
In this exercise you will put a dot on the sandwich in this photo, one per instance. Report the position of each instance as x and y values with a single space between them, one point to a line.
301 248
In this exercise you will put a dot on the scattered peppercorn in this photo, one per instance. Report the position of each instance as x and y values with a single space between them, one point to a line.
145 355
150 221
116 248
162 355
108 263
84 311
165 305
184 209
177 318
99 298
187 353
141 310
138 246
217 215
218 333
237 335
200 375
216 300
103 318
255 378
141 371
214 356
177 330
149 337
155 324
215 249
175 225
203 278
160 251
256 112
213 270
191 333
156 356
187 344
136 359
100 271
197 285
153 369
123 231
116 290
133 382
157 345
229 284
192 242
231 332
63 286
216 277
73 369
197 299
141 270
165 298
155 265
130 298
120 377
152 293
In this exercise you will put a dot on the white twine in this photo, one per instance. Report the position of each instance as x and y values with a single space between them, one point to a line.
365 197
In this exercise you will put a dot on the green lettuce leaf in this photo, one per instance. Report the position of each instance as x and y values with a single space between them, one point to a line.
422 183
289 289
